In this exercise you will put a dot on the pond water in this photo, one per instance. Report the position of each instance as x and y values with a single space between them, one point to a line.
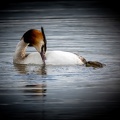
61 92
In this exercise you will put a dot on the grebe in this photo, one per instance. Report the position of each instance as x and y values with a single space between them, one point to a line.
37 39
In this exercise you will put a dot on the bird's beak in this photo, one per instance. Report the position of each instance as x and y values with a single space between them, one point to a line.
42 53
44 47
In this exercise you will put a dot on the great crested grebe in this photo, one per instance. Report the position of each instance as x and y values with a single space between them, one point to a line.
37 39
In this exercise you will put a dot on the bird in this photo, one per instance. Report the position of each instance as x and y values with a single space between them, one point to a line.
37 39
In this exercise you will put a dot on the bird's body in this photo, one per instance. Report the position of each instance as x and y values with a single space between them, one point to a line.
52 58
36 39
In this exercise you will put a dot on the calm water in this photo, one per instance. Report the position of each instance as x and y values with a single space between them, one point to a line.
61 92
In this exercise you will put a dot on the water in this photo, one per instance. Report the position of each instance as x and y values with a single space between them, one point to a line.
61 92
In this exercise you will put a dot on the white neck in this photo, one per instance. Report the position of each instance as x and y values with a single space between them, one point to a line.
20 51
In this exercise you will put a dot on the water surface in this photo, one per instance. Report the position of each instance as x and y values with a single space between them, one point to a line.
61 92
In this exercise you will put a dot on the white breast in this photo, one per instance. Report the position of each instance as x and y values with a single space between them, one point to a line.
62 58
52 58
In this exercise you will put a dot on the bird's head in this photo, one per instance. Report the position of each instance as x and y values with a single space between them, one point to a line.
36 39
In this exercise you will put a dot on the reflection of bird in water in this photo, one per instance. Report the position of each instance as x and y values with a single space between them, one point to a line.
38 90
26 69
